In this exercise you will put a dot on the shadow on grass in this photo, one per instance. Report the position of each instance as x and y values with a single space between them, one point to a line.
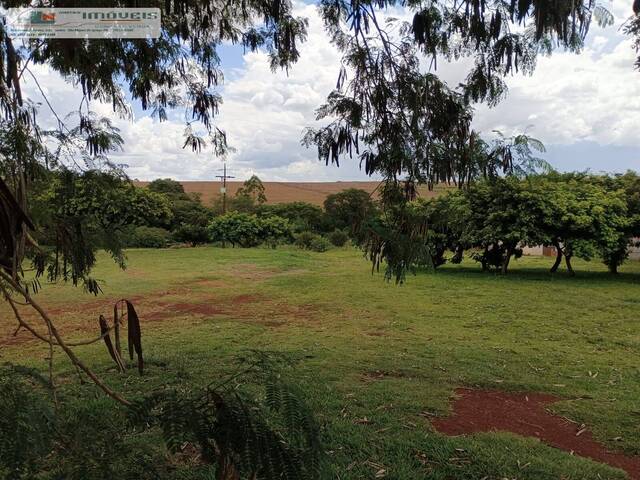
534 274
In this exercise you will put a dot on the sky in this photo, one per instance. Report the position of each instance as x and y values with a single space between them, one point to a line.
585 108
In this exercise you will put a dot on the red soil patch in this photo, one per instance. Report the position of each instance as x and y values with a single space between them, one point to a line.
525 414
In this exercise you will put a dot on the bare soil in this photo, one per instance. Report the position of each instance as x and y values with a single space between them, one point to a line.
526 414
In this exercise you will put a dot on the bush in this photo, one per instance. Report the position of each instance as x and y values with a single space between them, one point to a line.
320 244
149 237
193 234
302 216
248 230
236 228
313 242
304 239
275 230
338 238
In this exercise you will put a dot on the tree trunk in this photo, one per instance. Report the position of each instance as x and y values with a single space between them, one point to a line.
507 258
613 268
457 257
484 259
558 261
567 259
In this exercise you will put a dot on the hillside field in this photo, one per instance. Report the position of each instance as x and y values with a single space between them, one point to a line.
378 361
285 192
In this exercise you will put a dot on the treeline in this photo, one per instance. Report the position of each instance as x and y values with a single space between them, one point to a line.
113 211
581 215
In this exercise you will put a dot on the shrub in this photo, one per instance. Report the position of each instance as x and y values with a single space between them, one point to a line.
302 216
275 230
149 237
236 228
248 230
320 244
193 234
338 238
304 239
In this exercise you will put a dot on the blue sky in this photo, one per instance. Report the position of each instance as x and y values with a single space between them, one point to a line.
585 108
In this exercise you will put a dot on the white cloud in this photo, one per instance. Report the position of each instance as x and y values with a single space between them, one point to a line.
592 98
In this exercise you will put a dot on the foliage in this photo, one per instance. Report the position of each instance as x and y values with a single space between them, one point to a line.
279 439
349 208
93 440
312 241
503 216
240 204
401 120
302 216
253 189
149 237
190 233
25 425
167 186
444 221
304 239
338 238
75 214
189 218
319 244
236 228
580 215
275 230
247 230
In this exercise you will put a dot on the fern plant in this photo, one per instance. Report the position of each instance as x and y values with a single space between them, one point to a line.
278 439
227 435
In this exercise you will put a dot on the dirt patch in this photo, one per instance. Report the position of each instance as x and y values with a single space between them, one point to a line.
525 414
81 319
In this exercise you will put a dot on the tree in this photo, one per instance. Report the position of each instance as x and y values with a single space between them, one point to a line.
77 213
504 215
349 208
590 215
302 215
189 217
629 232
398 118
167 186
253 189
445 219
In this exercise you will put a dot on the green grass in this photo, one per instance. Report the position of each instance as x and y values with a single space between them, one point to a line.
527 331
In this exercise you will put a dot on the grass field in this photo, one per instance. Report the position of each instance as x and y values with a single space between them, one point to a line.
374 356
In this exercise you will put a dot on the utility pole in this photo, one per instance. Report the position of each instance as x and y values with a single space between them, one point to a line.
223 191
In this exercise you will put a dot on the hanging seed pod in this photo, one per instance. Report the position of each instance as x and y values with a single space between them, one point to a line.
104 331
116 328
134 335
